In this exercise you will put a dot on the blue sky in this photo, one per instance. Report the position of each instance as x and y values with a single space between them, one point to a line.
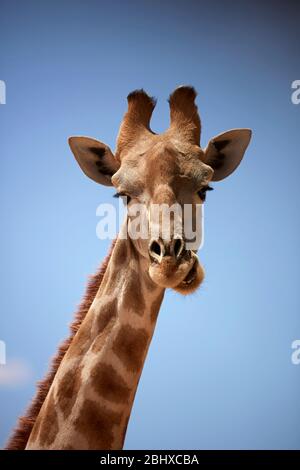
219 371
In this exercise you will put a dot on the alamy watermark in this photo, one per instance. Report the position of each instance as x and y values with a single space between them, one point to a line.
151 222
295 357
2 92
295 96
2 353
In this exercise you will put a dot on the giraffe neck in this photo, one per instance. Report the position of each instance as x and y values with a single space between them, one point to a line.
89 403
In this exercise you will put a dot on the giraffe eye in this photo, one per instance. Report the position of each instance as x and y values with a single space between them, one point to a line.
202 192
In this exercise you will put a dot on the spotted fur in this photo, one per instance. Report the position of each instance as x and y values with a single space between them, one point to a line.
20 435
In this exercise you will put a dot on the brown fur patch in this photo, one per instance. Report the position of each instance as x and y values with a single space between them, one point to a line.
36 428
149 283
105 322
154 309
133 295
68 389
81 342
121 251
20 435
109 384
96 423
130 346
49 431
112 280
107 313
125 428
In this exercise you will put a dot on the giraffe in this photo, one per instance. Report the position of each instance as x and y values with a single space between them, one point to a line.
86 400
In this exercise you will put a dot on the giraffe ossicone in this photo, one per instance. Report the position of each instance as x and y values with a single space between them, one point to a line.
86 401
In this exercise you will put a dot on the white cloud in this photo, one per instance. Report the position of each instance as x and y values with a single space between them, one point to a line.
15 373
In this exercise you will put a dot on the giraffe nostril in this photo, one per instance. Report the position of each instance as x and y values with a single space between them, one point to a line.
155 250
155 247
178 247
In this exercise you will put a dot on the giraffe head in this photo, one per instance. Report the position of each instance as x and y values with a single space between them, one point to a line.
166 174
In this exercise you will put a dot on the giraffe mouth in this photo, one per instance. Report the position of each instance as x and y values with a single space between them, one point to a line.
192 280
184 277
191 276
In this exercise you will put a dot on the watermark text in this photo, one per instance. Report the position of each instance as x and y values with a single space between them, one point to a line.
295 97
2 353
295 357
2 92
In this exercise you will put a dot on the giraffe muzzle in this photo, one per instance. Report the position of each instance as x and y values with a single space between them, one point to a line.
171 265
159 249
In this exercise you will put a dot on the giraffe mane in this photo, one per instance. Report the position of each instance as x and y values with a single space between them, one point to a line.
20 435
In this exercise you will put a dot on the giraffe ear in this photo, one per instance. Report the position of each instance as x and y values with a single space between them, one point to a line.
225 152
95 159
